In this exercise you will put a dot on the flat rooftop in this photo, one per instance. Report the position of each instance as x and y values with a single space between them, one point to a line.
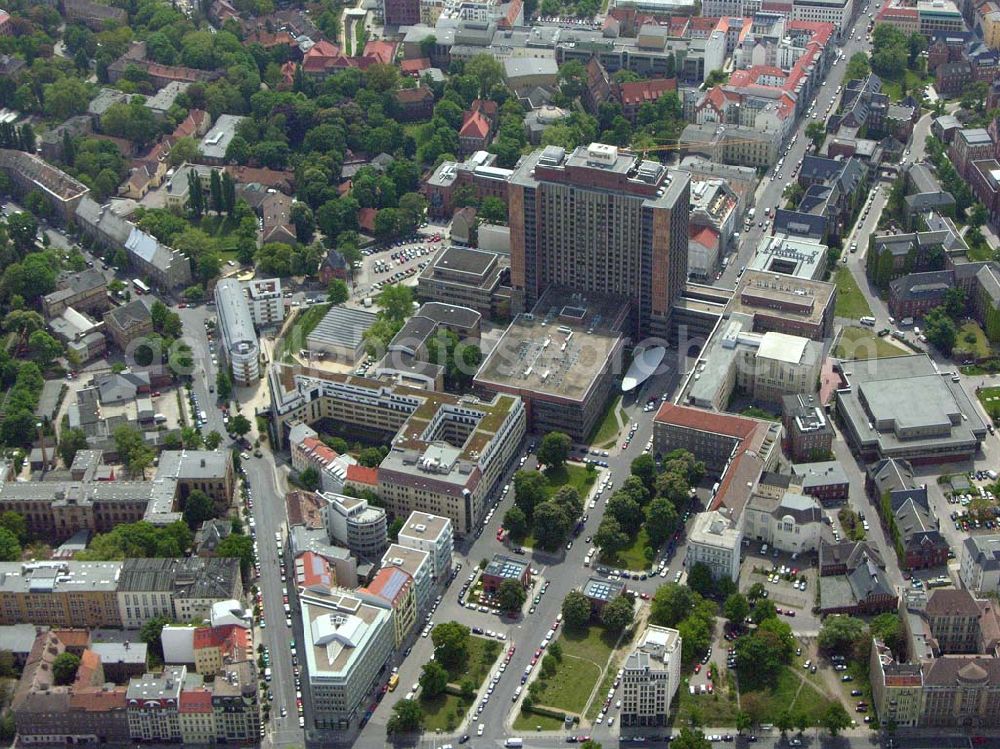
342 326
787 296
465 260
560 352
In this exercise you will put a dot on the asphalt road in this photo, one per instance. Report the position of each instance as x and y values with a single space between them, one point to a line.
269 516
769 191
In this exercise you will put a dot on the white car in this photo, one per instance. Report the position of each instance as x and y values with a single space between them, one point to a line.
481 729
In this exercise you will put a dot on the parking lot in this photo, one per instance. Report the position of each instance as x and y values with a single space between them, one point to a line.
790 584
396 262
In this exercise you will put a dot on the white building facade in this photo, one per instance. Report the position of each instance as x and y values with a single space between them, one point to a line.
650 678
433 534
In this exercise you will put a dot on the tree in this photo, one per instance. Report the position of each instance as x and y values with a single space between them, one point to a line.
839 634
763 610
554 449
743 722
736 608
239 425
690 739
644 468
309 478
223 385
857 67
16 524
10 549
338 293
150 633
954 302
433 679
64 668
816 132
889 629
493 211
22 228
407 717
396 302
485 69
198 508
576 610
661 520
70 441
551 524
451 643
610 538
785 721
530 490
618 615
700 579
515 521
511 595
132 450
802 721
835 719
212 440
671 604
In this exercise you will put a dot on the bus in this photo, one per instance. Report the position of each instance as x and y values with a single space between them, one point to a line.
393 682
140 287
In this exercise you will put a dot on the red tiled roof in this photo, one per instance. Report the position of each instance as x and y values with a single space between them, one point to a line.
97 700
414 95
705 421
705 236
90 662
323 48
73 638
415 65
387 583
638 92
358 474
195 701
317 449
381 50
315 571
474 126
366 219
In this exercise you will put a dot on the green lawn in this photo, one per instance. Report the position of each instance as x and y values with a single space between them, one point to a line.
534 722
914 83
977 347
716 709
860 343
578 477
606 431
307 319
759 413
850 301
631 557
482 655
446 711
223 230
585 654
990 398
787 694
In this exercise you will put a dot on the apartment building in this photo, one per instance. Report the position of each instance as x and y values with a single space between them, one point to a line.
347 641
651 676
60 593
453 449
980 570
791 522
238 337
58 509
970 144
182 589
418 565
808 431
840 13
715 540
178 707
86 291
936 16
267 307
29 173
433 534
600 220
394 587
353 523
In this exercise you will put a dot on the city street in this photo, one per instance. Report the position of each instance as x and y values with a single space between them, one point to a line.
769 192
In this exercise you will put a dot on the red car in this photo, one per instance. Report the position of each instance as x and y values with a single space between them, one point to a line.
534 660
538 653
510 653
644 596
697 668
